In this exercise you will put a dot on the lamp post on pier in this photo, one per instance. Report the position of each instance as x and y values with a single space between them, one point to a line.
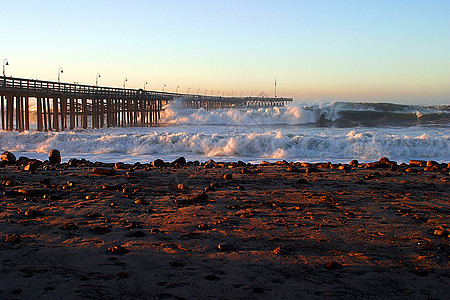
178 88
145 83
5 63
60 71
188 89
125 82
96 79
164 86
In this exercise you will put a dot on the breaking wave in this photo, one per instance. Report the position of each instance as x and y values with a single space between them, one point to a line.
341 114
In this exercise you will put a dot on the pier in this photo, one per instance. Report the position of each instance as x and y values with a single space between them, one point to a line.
61 106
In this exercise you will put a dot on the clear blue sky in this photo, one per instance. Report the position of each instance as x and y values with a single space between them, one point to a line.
396 51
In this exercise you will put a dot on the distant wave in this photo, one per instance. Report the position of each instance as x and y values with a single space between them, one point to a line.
342 114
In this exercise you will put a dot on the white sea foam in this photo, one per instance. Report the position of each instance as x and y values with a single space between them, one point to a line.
249 143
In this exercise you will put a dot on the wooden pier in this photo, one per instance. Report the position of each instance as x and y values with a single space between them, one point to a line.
61 106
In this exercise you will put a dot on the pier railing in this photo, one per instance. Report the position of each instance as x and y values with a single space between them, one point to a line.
60 106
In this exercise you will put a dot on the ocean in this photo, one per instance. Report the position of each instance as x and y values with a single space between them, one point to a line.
335 132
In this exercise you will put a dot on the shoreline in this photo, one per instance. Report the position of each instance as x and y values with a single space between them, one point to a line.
178 230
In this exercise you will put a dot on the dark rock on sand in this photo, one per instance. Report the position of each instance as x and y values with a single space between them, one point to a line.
13 238
203 226
8 158
422 271
158 163
70 226
117 250
233 207
141 201
32 166
333 266
34 191
199 198
179 161
312 170
104 171
228 176
74 162
33 213
384 160
120 166
101 229
138 233
226 247
112 187
212 277
183 202
354 163
54 157
417 163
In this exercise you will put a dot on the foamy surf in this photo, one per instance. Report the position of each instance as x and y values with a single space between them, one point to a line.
249 143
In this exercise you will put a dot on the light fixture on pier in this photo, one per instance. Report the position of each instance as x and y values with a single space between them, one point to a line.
178 88
5 63
145 83
125 82
188 89
164 86
96 79
60 71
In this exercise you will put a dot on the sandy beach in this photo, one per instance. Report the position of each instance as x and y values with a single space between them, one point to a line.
190 230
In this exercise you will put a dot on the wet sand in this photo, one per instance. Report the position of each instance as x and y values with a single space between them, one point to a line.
225 231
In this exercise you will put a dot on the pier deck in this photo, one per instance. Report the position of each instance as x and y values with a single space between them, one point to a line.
61 106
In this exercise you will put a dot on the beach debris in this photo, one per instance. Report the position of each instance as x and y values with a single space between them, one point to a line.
54 157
